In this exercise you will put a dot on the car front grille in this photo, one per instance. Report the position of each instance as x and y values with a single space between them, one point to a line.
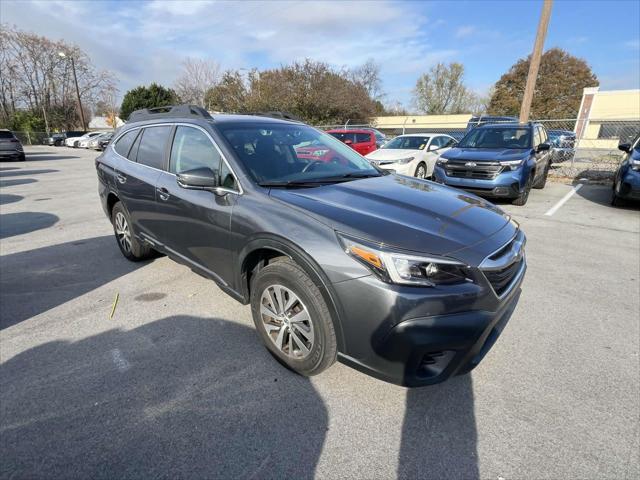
502 267
500 280
471 169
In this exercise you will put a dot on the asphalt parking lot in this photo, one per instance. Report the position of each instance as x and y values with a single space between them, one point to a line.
176 383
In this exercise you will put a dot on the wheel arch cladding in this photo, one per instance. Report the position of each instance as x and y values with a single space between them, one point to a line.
259 251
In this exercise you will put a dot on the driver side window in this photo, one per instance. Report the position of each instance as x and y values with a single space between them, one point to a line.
192 149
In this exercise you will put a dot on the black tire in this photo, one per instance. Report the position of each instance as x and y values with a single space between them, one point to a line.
542 181
322 351
136 250
616 201
421 173
521 199
22 157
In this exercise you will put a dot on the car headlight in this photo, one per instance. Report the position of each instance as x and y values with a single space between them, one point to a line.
441 161
512 164
403 161
403 269
635 164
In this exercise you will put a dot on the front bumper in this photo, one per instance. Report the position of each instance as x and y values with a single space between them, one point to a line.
507 184
422 336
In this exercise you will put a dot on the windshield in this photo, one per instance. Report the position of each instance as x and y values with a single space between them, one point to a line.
497 137
290 154
5 134
407 143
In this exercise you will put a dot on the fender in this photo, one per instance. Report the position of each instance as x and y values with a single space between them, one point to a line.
311 268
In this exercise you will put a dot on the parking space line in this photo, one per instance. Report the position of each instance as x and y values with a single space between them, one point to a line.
563 200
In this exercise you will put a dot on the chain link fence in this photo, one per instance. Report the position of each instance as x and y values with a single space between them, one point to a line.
32 138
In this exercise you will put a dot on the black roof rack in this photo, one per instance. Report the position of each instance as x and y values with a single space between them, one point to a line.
170 111
277 114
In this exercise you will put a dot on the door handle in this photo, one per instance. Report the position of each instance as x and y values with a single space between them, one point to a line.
121 178
163 193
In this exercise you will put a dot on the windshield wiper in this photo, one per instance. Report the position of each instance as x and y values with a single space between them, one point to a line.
314 182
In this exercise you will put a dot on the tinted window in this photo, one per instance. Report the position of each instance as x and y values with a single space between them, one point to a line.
193 149
6 134
497 137
407 143
124 143
344 136
363 137
227 180
151 149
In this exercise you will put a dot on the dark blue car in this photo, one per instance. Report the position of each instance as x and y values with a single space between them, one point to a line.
626 184
499 161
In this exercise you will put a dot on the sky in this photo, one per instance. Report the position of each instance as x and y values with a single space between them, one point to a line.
146 41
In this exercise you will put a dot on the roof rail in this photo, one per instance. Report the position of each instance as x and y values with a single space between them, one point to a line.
170 111
277 114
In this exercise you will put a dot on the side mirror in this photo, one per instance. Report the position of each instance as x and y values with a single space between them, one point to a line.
543 146
202 178
432 147
625 147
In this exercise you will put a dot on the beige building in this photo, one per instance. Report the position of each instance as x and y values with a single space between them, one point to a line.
606 117
397 125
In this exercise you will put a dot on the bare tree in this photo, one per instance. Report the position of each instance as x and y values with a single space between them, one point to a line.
442 90
368 75
37 82
198 76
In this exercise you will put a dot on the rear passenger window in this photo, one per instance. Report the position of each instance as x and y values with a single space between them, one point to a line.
192 149
363 137
123 145
151 148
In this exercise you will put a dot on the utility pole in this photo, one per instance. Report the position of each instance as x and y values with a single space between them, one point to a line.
534 64
75 79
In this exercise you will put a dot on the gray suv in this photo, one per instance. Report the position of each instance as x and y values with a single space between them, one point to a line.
404 279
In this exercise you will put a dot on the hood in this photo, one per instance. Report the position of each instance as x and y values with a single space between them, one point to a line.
392 154
405 213
486 154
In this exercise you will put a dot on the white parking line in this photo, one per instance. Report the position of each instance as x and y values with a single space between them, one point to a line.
563 200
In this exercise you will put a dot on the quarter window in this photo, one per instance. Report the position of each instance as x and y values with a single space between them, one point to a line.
124 143
192 149
363 137
152 144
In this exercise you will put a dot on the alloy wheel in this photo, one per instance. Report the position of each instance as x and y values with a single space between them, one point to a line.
421 173
122 232
287 321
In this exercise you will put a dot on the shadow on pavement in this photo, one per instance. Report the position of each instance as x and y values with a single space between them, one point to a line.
180 397
16 181
4 169
26 172
601 194
12 224
7 198
35 281
43 156
439 432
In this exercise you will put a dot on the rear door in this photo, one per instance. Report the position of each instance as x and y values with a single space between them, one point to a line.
196 223
364 143
137 174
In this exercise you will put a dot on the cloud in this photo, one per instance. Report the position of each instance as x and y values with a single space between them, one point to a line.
465 31
144 42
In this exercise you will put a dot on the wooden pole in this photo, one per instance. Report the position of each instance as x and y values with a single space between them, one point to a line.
534 65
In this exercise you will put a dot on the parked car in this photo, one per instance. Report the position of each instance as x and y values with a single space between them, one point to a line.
414 154
56 139
626 183
394 276
83 142
486 119
362 141
503 161
563 143
72 136
381 138
10 146
99 141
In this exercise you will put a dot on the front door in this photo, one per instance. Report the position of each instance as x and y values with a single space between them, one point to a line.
196 222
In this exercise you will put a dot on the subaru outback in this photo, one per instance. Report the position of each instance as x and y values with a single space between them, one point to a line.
404 279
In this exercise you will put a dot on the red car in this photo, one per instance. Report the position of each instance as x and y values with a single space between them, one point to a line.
362 141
